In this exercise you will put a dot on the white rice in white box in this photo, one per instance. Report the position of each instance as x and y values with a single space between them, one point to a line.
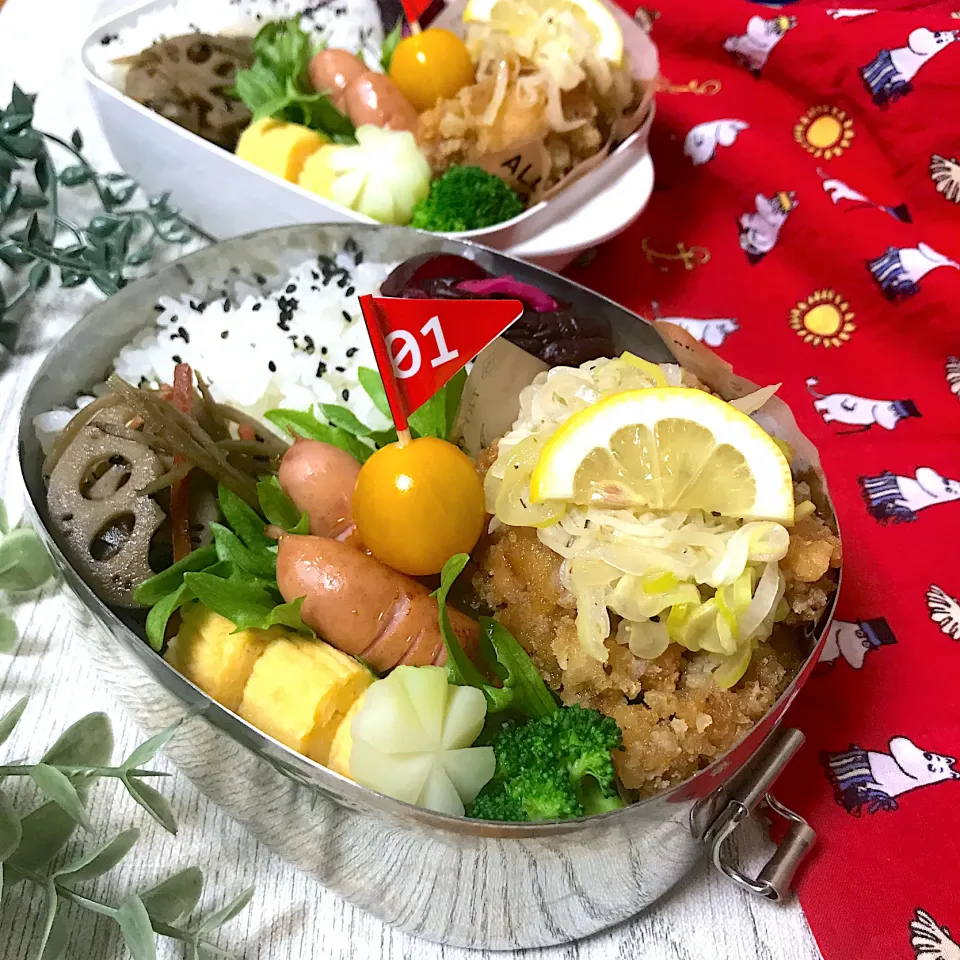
298 346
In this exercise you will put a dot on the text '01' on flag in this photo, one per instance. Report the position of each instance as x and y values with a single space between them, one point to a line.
420 344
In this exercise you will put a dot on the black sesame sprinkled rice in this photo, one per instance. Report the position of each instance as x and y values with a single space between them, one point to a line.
345 394
352 352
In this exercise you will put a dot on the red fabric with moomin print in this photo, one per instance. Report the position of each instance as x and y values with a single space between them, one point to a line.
806 225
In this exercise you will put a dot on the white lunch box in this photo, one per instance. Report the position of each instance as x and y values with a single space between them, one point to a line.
227 196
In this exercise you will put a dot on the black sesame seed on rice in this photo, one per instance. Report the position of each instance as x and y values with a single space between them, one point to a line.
224 334
308 340
323 350
226 306
291 288
352 352
341 369
272 367
257 306
321 368
176 358
260 278
158 308
350 291
345 394
183 334
347 317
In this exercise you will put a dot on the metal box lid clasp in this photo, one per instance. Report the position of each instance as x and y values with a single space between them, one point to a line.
750 791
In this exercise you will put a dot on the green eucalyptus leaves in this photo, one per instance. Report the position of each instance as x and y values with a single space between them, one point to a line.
36 239
31 844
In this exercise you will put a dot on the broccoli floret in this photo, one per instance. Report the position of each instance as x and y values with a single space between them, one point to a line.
466 198
553 768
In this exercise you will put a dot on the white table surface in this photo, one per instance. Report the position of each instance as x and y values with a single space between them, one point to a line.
290 917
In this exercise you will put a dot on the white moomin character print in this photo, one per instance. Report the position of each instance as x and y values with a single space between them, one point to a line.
899 271
837 190
755 44
701 143
930 941
889 76
852 641
944 611
890 497
712 332
860 412
873 780
760 231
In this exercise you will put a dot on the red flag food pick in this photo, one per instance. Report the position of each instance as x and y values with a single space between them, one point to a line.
414 10
421 344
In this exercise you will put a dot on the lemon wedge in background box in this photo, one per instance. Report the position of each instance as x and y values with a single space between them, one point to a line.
668 448
279 148
527 21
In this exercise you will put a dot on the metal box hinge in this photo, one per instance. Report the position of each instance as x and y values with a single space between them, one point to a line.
750 791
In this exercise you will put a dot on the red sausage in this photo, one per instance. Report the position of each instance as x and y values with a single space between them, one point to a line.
319 478
374 98
332 71
362 607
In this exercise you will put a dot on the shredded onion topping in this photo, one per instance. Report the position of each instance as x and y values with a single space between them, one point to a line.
708 583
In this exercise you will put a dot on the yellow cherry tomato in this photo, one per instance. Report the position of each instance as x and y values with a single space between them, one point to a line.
431 65
417 504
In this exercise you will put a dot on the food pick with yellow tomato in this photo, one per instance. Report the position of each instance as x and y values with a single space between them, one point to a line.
418 503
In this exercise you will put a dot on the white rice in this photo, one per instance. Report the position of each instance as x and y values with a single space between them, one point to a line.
296 347
350 24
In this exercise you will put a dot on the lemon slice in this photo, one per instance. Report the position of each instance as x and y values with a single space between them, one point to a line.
521 18
668 448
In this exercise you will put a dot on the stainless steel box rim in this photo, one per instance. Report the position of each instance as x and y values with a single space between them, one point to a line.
599 870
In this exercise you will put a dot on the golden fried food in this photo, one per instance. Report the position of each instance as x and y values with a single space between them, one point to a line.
674 717
513 104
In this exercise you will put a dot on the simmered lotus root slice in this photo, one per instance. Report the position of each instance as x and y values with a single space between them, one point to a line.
93 501
185 80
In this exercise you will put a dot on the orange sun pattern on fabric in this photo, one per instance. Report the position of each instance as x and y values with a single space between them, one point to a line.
835 268
824 131
823 318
